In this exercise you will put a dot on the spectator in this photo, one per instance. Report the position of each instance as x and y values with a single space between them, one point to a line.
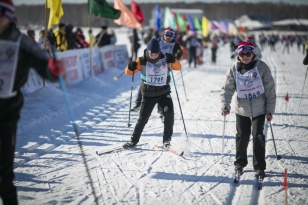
134 40
61 42
91 39
81 39
113 38
103 38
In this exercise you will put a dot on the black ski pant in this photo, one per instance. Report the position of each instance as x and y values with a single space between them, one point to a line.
243 129
147 106
214 51
8 191
139 98
192 56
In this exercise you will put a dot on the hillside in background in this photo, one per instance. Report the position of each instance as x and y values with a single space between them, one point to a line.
77 14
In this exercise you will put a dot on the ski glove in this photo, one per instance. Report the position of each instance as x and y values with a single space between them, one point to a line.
56 67
170 58
269 117
132 66
225 111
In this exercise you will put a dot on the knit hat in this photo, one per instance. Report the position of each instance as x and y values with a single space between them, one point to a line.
7 9
242 46
169 32
153 46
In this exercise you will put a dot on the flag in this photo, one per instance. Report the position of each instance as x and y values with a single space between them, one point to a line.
158 16
103 9
127 18
286 98
205 26
214 25
223 26
181 22
135 8
169 20
191 23
198 25
242 29
56 12
232 29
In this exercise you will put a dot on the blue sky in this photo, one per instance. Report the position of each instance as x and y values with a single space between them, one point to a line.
18 2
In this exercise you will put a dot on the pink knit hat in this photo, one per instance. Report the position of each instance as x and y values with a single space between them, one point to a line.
169 31
7 9
242 46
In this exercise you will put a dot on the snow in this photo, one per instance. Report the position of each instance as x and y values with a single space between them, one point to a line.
49 167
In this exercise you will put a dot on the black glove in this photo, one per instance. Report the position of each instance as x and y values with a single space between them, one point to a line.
170 58
132 66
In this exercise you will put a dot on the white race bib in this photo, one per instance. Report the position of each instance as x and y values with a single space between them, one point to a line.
8 63
166 47
249 85
156 73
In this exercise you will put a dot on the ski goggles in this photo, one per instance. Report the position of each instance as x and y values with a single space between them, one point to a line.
169 33
247 54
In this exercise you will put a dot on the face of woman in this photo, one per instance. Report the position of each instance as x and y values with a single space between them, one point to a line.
168 38
245 56
153 56
4 23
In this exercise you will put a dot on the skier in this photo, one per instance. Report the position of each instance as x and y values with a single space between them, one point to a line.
19 54
155 74
251 78
167 45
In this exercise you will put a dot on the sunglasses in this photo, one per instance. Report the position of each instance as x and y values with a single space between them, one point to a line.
248 54
168 35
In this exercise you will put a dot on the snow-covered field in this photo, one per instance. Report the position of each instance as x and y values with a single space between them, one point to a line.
50 169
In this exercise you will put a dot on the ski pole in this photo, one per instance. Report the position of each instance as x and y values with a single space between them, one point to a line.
72 118
117 77
278 157
184 86
223 141
300 100
177 95
130 101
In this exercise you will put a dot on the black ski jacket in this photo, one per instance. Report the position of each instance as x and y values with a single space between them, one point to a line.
30 56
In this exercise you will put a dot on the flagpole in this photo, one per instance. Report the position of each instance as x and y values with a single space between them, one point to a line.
46 32
89 23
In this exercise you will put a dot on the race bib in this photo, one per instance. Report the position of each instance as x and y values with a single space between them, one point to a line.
166 47
8 63
156 73
249 85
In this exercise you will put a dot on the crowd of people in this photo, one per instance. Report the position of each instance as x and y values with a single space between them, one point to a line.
66 37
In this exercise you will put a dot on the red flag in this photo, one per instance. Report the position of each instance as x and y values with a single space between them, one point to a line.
286 98
127 18
135 8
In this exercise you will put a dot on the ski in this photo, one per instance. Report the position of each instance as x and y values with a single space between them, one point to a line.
237 176
170 150
260 182
117 149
